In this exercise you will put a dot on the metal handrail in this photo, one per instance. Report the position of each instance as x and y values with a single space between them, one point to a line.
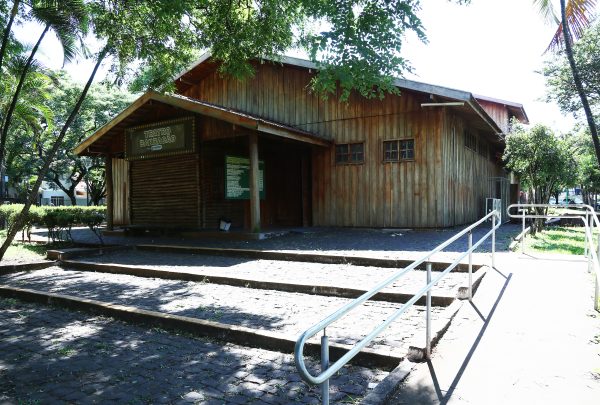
328 370
591 253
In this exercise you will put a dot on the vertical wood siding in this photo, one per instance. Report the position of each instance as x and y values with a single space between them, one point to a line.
120 171
443 186
468 174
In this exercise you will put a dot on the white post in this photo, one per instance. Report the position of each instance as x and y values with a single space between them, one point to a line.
428 315
470 238
494 241
324 367
523 231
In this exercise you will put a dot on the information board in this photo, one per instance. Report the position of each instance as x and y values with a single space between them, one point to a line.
160 139
237 178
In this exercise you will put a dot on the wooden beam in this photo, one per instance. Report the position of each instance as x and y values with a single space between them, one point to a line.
254 184
108 172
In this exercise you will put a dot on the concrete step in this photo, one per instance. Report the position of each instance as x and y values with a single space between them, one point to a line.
51 355
266 318
302 256
339 280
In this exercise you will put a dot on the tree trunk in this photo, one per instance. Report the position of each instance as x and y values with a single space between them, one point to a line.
577 80
6 36
19 221
13 104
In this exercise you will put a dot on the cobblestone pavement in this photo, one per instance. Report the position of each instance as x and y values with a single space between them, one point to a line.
399 243
337 275
287 313
53 356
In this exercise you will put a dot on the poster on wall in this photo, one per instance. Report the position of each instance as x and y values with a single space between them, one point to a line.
237 178
163 138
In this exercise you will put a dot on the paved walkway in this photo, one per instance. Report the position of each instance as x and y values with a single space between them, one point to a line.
52 356
381 243
286 313
530 337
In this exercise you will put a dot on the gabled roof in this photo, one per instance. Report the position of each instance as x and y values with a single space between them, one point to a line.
205 64
515 108
207 109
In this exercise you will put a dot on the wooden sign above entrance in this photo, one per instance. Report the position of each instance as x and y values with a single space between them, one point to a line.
164 138
237 178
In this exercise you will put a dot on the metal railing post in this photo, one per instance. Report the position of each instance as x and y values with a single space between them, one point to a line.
470 237
324 367
493 241
587 227
523 232
428 314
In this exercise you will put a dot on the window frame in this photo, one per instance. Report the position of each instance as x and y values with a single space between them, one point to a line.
399 150
349 153
470 140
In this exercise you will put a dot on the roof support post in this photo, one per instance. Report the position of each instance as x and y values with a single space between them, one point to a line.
109 191
254 183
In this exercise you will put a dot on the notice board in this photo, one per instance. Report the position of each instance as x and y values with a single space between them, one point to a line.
164 138
237 178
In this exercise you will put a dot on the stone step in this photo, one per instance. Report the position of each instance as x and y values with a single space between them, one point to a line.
303 256
52 355
276 316
340 280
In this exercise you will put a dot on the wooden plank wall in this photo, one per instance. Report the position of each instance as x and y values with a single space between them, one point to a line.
120 170
164 191
467 173
498 112
373 194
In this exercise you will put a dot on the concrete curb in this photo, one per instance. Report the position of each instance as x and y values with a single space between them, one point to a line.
300 257
436 300
388 387
416 351
229 333
13 268
72 253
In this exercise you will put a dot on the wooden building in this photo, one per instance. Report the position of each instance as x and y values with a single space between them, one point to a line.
267 152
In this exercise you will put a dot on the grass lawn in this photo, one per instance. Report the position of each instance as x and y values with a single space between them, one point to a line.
562 240
24 252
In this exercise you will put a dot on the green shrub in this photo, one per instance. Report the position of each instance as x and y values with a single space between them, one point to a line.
57 220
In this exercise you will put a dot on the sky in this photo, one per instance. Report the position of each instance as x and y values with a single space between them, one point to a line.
490 47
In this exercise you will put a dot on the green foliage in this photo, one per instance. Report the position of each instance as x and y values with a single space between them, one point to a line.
57 220
543 161
355 44
559 79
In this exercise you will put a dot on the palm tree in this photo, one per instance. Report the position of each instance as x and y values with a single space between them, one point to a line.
67 18
574 19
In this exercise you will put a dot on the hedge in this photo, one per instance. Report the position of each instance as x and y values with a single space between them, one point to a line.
58 220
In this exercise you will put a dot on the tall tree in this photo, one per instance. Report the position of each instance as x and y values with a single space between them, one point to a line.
542 160
575 17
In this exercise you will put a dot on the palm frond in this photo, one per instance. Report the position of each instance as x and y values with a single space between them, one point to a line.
579 14
547 11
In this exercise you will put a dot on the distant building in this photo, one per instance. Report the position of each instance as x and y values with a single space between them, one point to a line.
268 152
50 194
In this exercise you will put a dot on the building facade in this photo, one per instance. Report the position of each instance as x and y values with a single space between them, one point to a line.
267 152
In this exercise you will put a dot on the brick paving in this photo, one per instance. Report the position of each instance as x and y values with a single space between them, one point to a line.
338 275
53 356
283 312
382 243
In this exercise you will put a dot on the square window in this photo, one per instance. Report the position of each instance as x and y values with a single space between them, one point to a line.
350 153
390 151
407 149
